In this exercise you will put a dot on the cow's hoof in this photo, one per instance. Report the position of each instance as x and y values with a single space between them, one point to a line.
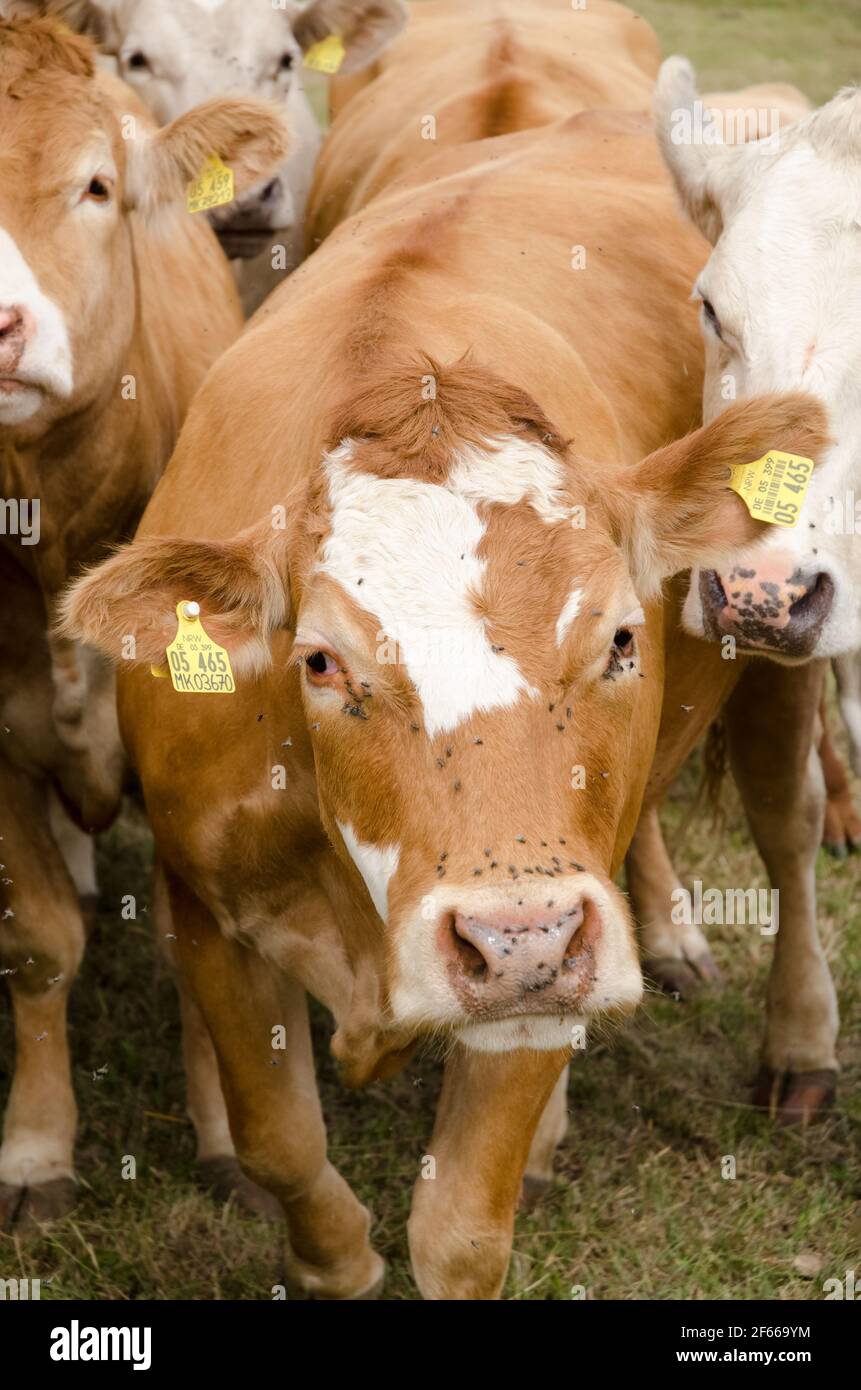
532 1191
682 977
25 1210
224 1180
841 834
795 1098
333 1288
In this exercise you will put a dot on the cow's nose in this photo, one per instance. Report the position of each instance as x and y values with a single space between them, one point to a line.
13 337
513 956
771 605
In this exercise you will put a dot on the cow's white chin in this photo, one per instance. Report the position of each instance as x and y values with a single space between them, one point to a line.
18 402
540 1033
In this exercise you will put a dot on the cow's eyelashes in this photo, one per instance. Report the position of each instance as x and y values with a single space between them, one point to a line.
711 317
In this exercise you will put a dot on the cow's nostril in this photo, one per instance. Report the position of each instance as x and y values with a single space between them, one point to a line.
815 604
10 322
272 191
574 919
712 591
470 960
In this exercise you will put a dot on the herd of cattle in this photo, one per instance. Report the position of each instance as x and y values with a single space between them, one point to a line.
442 544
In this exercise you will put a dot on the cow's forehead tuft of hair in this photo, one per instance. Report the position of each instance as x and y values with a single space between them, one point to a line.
36 51
416 418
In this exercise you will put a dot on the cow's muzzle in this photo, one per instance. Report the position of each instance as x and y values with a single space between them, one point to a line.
773 607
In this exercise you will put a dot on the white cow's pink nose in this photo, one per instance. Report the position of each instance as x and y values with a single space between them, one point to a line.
540 956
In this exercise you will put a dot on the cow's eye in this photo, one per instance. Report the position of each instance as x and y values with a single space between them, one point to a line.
320 665
623 643
711 317
138 60
98 190
286 62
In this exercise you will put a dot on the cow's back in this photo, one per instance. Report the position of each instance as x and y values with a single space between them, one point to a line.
464 72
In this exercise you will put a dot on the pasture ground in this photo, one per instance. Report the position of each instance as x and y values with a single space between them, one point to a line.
639 1208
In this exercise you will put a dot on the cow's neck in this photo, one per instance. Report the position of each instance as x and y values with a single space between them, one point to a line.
92 472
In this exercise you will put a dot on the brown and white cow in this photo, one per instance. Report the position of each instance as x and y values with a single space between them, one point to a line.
176 54
113 304
446 504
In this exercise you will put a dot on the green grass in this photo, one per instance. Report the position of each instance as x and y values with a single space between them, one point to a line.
814 43
639 1208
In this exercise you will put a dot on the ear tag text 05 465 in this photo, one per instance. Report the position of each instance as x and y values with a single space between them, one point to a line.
213 186
327 55
773 488
196 663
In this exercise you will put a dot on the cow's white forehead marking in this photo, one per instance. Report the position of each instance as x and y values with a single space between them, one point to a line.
375 865
514 470
570 609
47 357
406 551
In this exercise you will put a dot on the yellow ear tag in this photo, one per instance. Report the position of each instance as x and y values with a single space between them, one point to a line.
773 488
327 55
213 186
197 665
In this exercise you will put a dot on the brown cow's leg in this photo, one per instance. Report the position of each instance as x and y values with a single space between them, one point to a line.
770 726
462 1220
675 955
552 1128
217 1163
842 823
272 1101
41 945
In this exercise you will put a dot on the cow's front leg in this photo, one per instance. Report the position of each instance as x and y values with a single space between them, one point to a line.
771 722
676 955
462 1219
41 945
217 1163
258 1022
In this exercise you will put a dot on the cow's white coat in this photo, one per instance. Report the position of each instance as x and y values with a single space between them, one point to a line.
47 360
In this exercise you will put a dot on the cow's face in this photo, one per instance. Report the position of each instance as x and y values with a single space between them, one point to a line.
70 185
479 676
781 299
178 53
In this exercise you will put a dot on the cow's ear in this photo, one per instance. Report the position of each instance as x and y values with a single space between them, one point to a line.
248 135
366 27
675 509
703 167
126 607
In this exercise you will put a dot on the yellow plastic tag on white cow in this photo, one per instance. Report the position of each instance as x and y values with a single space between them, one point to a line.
197 665
773 488
327 55
213 186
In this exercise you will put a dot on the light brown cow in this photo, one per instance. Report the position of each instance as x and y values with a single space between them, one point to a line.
445 507
113 304
475 70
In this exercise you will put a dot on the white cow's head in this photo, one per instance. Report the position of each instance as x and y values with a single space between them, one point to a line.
781 308
178 53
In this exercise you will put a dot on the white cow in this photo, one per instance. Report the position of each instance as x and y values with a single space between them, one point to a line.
781 300
178 53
